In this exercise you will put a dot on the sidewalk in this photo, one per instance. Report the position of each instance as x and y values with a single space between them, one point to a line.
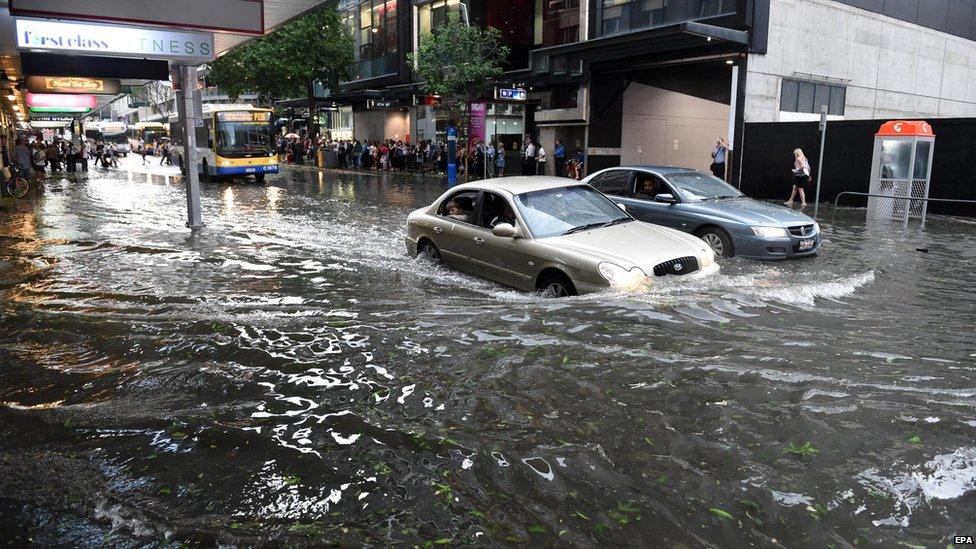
425 175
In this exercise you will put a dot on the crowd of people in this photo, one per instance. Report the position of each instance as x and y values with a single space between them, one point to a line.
428 156
36 158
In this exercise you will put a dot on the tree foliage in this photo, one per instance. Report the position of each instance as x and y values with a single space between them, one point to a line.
284 63
458 62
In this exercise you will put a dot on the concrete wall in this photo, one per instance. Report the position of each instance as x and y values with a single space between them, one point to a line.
670 128
896 69
379 125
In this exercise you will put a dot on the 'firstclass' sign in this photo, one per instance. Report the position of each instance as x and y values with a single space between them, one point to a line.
114 40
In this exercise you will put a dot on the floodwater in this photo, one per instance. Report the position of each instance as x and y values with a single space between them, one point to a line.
290 376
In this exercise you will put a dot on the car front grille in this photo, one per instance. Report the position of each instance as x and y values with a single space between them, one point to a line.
801 230
680 266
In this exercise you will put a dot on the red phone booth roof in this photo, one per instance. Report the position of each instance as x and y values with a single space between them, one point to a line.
906 128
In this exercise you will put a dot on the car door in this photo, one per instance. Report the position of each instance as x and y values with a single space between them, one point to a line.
453 236
501 259
645 208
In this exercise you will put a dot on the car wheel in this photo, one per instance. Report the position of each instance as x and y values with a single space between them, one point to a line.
554 286
718 240
429 251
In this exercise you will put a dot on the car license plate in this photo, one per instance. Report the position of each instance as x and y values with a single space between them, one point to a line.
806 244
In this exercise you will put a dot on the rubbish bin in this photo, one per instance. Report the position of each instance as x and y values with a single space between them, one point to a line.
331 159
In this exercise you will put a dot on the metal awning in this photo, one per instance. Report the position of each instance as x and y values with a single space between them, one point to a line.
689 35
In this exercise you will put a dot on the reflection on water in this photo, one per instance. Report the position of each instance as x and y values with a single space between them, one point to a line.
289 374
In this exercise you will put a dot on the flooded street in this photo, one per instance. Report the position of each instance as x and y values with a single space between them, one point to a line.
289 375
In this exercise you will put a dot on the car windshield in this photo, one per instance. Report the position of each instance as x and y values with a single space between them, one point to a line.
693 186
554 212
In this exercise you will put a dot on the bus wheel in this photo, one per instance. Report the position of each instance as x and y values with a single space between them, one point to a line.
259 178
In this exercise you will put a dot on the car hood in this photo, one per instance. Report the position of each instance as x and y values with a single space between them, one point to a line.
752 212
631 244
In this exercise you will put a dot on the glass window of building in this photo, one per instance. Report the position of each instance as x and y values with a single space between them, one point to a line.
434 14
373 26
808 97
626 15
560 22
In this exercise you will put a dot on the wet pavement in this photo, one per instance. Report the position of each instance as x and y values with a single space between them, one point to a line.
290 376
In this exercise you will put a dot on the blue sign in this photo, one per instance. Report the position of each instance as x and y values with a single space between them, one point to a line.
451 156
511 94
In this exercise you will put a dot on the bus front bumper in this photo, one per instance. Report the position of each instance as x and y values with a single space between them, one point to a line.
245 170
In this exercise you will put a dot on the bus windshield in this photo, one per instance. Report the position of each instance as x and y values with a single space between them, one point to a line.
243 132
152 135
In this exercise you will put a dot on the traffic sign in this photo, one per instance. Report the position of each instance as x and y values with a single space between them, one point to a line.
511 94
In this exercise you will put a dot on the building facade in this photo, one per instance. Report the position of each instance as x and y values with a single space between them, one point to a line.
658 81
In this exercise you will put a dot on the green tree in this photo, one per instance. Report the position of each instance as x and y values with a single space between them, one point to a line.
288 61
459 62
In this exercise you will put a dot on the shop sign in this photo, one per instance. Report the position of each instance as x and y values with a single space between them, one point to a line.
45 102
73 84
427 100
113 40
235 16
380 104
479 118
511 94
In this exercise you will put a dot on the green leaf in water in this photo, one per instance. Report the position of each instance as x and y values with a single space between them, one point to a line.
721 513
537 529
803 450
165 490
292 480
915 440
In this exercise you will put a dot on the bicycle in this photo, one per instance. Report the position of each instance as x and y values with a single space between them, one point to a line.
17 186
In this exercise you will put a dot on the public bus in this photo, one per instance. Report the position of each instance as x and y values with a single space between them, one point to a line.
149 133
112 133
234 140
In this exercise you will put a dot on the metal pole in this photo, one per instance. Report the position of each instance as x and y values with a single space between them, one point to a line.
188 84
823 138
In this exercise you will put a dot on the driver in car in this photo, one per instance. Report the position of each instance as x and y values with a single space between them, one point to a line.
505 216
651 188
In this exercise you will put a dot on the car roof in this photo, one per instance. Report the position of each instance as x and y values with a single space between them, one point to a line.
653 168
520 184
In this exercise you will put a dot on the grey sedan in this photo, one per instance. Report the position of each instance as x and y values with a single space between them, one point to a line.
711 209
550 234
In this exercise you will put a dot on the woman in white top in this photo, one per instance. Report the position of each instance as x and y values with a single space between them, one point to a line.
541 160
801 177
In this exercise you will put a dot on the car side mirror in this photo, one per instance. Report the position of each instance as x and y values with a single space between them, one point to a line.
622 206
667 198
505 230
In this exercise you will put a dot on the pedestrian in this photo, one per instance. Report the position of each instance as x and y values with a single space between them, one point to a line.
718 158
39 159
528 157
559 153
500 160
53 153
23 156
801 177
541 159
581 161
142 151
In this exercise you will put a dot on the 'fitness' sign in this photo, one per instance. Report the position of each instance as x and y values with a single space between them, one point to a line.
114 40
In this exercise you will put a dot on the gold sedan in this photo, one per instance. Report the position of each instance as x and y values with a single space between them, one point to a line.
552 235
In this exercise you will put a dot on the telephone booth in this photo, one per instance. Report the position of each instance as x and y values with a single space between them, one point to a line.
901 170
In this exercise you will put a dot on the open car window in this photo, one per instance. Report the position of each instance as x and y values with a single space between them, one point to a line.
465 202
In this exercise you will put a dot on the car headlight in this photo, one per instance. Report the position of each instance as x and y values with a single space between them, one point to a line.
618 277
816 227
770 232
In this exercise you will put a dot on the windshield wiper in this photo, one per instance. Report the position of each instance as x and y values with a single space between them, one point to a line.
618 221
584 227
